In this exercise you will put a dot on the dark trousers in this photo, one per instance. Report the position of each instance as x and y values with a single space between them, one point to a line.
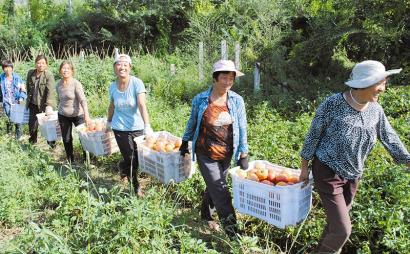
337 196
33 124
66 125
129 152
9 125
10 129
217 191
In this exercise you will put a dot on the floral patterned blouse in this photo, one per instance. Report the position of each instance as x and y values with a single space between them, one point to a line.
342 137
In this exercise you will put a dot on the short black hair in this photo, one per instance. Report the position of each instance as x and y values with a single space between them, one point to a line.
6 63
216 74
41 56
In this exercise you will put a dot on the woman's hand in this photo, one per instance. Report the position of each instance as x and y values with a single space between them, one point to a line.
243 162
304 174
147 129
87 120
183 149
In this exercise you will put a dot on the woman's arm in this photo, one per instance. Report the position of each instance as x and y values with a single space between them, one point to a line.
304 174
192 121
110 111
391 141
142 106
51 95
243 135
83 101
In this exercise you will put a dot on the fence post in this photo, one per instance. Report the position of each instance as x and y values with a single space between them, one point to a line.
256 77
201 61
224 50
82 55
238 56
116 53
70 7
173 69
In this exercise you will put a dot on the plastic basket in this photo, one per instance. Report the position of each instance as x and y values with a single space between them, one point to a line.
97 142
19 114
165 167
49 126
280 206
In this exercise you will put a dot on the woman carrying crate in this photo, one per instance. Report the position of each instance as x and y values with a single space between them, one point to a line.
128 117
12 91
72 107
40 95
217 128
343 132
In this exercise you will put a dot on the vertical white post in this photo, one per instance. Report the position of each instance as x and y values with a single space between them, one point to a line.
173 69
82 55
201 61
116 53
237 56
256 78
70 7
224 50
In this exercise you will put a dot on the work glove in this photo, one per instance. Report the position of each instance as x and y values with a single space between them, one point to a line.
243 163
108 127
147 129
183 149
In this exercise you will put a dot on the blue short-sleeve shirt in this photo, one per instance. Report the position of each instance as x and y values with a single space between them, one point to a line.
127 116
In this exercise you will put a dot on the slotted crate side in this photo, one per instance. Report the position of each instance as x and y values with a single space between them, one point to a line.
49 128
19 114
97 143
165 167
278 206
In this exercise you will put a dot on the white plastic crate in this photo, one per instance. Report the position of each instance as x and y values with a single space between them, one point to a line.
97 142
280 206
165 166
19 114
49 126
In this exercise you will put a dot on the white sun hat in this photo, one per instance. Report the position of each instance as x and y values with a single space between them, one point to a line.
226 65
125 58
368 73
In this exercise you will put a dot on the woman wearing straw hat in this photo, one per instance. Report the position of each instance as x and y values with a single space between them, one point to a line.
217 128
128 117
342 134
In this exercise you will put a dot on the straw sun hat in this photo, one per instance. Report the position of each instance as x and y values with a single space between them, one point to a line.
368 73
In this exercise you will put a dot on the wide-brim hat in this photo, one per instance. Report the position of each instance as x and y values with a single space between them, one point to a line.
125 58
226 65
368 73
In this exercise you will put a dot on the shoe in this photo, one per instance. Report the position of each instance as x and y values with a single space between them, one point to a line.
139 193
230 227
124 179
207 207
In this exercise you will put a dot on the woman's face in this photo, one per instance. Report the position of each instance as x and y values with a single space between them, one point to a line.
8 70
225 81
66 71
371 94
41 65
122 68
